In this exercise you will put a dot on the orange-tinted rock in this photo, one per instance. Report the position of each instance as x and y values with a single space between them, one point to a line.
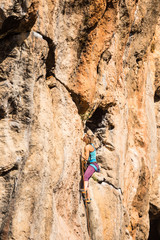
65 66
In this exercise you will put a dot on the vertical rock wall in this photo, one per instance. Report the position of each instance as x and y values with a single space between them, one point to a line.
68 66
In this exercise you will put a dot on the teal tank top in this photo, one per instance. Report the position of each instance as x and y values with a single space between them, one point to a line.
92 155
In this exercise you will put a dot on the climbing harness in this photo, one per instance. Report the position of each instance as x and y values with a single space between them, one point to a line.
96 169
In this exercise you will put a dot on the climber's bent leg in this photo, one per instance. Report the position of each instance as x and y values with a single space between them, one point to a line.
88 173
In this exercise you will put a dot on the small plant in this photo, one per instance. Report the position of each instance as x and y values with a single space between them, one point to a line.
88 113
94 178
152 47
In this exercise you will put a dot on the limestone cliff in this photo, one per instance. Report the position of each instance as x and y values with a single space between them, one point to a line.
67 66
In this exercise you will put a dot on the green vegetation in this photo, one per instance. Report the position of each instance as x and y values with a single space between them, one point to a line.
88 114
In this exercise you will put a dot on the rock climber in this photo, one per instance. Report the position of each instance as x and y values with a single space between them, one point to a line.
90 158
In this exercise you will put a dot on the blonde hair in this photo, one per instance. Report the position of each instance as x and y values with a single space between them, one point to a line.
88 139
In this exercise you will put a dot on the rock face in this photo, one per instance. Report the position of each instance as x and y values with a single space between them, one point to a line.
67 67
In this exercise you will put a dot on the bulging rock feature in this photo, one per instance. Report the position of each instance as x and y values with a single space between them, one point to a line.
19 21
67 68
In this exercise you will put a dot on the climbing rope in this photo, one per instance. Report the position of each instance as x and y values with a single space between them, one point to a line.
83 168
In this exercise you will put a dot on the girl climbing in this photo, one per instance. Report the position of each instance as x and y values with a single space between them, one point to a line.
90 158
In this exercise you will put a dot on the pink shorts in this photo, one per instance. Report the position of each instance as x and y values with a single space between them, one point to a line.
89 171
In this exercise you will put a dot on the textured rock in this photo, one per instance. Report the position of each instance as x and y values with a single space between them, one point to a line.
67 67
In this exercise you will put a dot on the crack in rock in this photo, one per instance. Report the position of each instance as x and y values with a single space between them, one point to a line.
110 184
50 66
50 61
6 169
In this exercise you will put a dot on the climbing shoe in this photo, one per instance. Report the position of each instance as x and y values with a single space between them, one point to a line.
88 200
